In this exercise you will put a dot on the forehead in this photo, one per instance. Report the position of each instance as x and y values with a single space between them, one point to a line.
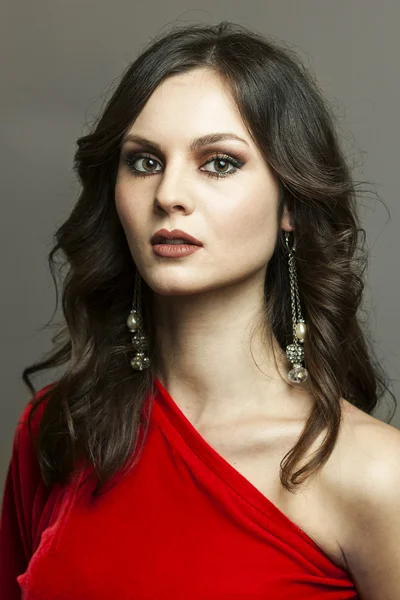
192 103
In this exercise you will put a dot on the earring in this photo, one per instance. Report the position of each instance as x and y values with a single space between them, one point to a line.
294 351
135 323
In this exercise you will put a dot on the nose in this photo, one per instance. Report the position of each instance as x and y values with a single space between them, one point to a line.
173 194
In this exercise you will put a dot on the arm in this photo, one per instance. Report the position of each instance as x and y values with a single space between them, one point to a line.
19 509
372 547
13 558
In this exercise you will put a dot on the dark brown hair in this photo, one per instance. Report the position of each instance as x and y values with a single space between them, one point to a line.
94 409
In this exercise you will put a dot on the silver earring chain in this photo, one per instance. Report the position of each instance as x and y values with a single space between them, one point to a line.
295 351
135 324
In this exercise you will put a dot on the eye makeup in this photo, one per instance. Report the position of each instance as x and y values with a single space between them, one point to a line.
131 157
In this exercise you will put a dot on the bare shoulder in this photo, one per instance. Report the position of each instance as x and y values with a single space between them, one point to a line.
367 449
363 478
366 442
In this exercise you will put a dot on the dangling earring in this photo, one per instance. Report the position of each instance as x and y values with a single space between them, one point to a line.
295 352
134 322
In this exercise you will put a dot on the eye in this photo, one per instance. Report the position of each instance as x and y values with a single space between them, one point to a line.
146 159
226 161
130 160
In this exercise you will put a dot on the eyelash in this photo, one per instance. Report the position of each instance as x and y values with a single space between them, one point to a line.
130 159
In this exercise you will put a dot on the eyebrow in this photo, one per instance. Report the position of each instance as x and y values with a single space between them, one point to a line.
195 144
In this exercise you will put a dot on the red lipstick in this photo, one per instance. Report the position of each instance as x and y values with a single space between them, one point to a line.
162 242
163 234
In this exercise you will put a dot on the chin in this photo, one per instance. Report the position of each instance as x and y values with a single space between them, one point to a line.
176 285
175 290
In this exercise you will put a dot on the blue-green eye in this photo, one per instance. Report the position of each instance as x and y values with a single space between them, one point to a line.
130 160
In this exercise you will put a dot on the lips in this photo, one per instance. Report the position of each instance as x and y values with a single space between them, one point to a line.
162 235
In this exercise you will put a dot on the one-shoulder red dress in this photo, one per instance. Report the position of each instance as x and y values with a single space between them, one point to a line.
183 523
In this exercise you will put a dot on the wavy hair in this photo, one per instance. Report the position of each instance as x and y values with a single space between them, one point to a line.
94 410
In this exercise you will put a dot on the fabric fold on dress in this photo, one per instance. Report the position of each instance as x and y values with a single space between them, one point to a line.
181 524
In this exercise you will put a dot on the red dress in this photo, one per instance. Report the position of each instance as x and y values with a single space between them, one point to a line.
182 524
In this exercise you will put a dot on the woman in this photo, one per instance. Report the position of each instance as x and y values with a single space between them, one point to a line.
212 434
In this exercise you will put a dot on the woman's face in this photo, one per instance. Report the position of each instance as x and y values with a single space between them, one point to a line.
233 215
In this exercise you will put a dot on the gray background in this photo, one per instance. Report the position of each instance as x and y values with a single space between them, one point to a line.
59 60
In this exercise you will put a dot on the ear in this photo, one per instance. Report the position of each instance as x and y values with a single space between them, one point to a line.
286 220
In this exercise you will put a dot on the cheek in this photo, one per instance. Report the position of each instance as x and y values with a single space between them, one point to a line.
130 221
121 200
250 232
124 204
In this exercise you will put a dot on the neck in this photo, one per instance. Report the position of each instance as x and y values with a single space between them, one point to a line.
216 355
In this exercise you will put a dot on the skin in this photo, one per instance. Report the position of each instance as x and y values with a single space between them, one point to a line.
209 302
